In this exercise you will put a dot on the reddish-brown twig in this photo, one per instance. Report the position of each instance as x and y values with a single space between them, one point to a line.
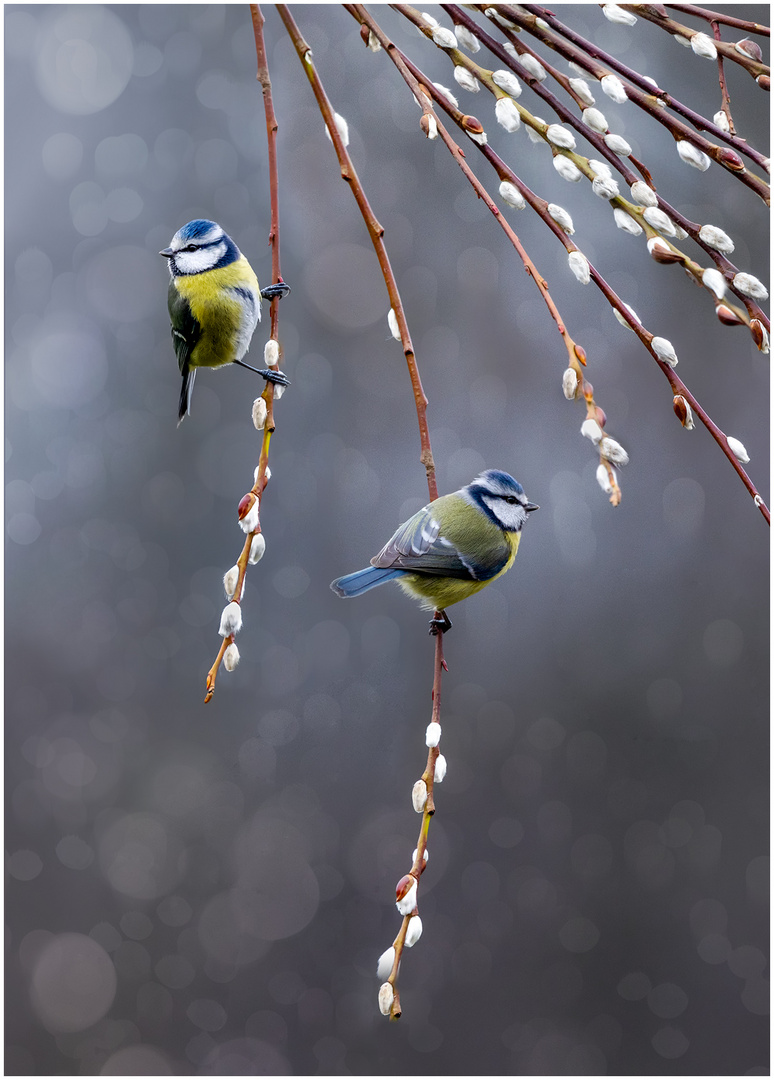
268 394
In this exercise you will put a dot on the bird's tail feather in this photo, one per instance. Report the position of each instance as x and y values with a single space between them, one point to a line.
186 390
363 580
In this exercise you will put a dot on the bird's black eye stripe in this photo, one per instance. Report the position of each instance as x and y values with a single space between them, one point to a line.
190 247
510 498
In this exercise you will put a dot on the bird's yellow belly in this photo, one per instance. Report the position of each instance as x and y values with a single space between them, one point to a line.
436 593
218 312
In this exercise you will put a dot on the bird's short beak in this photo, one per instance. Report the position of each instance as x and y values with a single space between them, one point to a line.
531 506
167 253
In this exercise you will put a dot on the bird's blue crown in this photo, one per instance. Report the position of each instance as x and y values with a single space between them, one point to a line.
198 228
498 482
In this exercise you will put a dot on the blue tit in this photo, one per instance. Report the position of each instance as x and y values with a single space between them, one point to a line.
452 547
214 303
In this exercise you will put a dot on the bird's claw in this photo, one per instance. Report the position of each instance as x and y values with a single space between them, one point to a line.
277 291
440 623
279 378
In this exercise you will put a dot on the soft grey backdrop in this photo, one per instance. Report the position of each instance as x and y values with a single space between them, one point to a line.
206 890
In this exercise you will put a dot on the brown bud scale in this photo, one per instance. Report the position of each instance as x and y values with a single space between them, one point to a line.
245 505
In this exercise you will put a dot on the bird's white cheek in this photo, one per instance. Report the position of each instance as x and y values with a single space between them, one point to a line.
196 262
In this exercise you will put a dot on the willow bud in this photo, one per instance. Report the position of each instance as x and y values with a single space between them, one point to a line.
683 411
737 449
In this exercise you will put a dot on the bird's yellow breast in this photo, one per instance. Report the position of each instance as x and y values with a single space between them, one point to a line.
437 593
219 311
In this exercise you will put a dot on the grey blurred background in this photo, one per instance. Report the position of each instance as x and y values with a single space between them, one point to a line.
206 890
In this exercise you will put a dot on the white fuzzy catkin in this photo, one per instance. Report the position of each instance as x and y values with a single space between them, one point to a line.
579 265
691 155
342 127
532 65
507 114
560 136
433 734
440 769
419 796
271 353
613 451
614 88
230 619
477 137
249 522
714 281
507 81
561 217
260 410
618 145
413 931
567 169
721 120
386 996
658 246
464 79
605 187
737 449
664 350
444 37
230 579
716 238
750 286
623 321
466 39
643 194
511 195
583 91
384 963
408 903
603 479
570 383
392 322
704 46
657 219
231 657
616 14
535 136
682 40
444 91
626 223
257 549
590 429
600 168
594 119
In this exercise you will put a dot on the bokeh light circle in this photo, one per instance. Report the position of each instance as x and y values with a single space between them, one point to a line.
73 983
85 59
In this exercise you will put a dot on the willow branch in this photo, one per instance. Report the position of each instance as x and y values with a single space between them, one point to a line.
376 233
644 94
720 17
753 67
254 496
724 265
540 207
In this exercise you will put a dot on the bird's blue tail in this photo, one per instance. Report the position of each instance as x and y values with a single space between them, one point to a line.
363 580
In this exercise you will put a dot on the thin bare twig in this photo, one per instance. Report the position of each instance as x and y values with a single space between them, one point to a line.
261 479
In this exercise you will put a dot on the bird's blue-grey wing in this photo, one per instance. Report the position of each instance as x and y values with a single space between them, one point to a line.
418 545
186 330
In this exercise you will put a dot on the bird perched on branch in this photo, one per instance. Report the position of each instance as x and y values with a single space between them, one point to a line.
452 547
214 303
